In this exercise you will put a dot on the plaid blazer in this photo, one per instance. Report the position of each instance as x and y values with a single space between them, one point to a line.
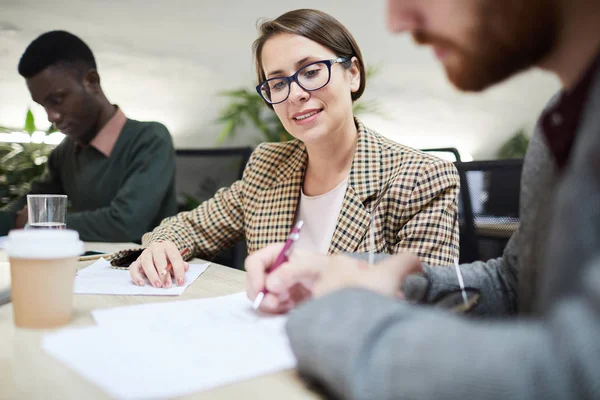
415 195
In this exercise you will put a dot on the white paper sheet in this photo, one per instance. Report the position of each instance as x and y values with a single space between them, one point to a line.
161 350
100 278
224 310
3 240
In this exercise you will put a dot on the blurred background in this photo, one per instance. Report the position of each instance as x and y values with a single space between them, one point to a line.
171 61
188 64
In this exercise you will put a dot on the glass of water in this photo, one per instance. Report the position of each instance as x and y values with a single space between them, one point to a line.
47 211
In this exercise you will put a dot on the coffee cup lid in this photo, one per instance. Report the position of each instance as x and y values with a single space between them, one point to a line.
43 243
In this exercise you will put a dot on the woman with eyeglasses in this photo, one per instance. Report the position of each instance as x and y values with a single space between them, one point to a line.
355 190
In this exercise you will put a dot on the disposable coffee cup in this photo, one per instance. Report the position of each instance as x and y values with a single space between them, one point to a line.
43 264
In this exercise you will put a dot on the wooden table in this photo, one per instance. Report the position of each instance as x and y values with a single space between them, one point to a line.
27 372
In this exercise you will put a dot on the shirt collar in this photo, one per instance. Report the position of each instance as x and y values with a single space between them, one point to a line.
106 139
561 121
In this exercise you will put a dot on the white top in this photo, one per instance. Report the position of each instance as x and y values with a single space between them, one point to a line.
320 215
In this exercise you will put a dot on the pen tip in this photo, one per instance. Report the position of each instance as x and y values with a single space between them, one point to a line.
258 300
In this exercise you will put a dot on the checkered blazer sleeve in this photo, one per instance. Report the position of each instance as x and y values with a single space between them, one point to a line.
218 223
432 228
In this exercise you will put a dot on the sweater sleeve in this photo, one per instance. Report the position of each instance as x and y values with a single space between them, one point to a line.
494 280
360 345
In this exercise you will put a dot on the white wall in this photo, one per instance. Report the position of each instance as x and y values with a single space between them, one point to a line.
165 60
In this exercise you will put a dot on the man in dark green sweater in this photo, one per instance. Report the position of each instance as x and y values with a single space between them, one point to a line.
118 173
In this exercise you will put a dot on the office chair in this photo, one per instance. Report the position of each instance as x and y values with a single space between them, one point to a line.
446 153
488 207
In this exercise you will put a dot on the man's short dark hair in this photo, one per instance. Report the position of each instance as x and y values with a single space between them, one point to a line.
56 47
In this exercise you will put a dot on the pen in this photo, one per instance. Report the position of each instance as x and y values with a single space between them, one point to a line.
281 258
183 253
93 257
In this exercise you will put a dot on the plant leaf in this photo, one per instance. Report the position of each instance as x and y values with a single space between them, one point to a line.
20 164
190 202
29 122
372 70
515 147
227 132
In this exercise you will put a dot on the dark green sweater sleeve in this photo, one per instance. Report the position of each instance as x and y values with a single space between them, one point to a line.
149 176
7 221
49 184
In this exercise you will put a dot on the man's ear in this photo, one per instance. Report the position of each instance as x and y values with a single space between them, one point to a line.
91 81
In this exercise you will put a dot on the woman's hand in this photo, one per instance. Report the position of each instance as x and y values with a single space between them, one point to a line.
160 262
306 275
299 274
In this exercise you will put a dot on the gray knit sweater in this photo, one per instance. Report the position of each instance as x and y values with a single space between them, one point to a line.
541 337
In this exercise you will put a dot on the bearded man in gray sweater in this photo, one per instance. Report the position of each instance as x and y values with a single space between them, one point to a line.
534 331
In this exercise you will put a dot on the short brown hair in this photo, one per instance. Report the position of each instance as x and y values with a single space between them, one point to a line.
316 26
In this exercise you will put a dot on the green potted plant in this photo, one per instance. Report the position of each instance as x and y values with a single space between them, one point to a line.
515 147
21 163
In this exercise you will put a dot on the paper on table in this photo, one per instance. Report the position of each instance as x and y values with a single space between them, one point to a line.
3 240
203 344
223 310
100 278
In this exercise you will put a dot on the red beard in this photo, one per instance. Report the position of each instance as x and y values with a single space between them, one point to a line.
511 36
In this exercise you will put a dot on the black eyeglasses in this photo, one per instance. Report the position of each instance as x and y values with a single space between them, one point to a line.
311 77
